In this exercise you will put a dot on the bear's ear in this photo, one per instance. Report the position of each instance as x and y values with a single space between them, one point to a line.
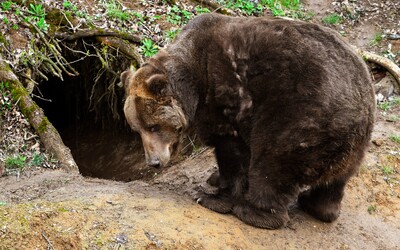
125 78
158 85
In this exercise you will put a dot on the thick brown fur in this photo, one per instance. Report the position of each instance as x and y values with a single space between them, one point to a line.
286 104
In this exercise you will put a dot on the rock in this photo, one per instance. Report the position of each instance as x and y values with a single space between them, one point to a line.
385 88
378 142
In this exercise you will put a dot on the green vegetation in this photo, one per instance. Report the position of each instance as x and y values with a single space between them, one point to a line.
37 16
178 16
69 6
37 159
395 138
139 17
15 162
74 9
172 33
289 8
246 6
200 10
5 20
6 5
372 209
377 38
36 10
387 105
148 48
387 170
332 19
114 10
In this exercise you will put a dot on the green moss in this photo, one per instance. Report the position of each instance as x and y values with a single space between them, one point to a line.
18 93
62 209
56 18
29 111
3 40
5 67
43 125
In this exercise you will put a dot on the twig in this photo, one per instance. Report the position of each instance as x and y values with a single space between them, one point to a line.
97 33
43 75
72 26
57 54
41 98
49 245
30 85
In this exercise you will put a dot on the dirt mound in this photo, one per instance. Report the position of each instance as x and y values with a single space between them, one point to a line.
72 212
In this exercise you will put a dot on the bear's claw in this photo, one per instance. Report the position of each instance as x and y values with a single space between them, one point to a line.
272 219
216 203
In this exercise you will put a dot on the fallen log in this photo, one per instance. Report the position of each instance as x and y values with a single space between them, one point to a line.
49 136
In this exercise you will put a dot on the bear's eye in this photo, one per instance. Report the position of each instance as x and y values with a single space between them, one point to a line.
153 128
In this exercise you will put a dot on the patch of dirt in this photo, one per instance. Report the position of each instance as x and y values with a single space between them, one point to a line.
46 208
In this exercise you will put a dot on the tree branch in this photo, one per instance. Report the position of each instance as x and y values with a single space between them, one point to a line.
97 33
124 47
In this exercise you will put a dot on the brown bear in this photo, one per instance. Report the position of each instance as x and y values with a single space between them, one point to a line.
287 105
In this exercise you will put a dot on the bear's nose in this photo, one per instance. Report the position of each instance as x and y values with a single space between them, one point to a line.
154 163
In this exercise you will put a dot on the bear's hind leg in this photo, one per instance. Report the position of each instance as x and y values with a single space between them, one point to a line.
233 159
323 201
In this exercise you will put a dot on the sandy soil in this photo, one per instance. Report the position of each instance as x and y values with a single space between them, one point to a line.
51 209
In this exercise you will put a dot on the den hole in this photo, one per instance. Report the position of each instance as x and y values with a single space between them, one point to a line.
87 112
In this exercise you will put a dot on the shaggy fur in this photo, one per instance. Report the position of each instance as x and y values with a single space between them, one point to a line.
286 104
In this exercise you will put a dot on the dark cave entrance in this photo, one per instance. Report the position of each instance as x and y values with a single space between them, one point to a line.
87 111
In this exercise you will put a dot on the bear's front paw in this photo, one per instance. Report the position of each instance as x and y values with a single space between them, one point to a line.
323 209
217 203
213 180
272 219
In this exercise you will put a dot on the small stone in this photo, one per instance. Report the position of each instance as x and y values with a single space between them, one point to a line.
377 142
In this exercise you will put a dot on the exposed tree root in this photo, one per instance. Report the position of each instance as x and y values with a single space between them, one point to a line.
97 33
48 134
214 6
390 66
128 49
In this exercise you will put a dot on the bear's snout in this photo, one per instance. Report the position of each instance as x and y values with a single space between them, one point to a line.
156 150
153 162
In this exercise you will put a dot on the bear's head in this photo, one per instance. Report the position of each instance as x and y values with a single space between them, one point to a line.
152 111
